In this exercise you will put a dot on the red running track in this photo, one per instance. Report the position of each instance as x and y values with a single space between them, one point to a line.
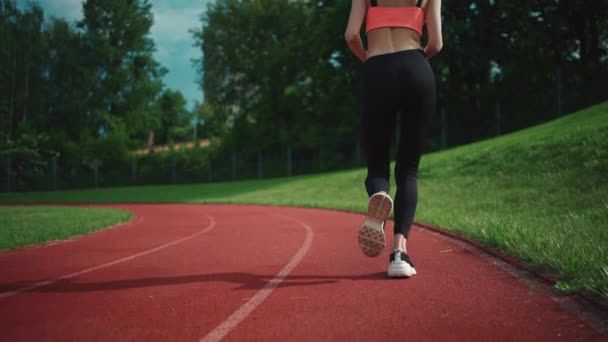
245 273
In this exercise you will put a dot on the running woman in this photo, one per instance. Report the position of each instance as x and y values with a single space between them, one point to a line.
398 83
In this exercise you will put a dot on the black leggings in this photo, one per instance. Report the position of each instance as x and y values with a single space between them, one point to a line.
396 83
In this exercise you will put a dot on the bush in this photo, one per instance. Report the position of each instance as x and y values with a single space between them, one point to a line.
29 154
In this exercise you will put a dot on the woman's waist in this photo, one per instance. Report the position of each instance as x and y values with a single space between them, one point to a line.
391 42
388 59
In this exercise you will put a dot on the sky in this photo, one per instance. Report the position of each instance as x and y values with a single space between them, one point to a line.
172 20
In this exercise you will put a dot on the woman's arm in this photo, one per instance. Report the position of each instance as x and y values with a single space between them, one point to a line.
433 28
353 29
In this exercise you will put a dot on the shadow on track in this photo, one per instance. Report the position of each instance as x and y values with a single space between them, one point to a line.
245 281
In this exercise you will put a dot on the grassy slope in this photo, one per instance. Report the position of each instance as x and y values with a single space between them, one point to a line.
539 194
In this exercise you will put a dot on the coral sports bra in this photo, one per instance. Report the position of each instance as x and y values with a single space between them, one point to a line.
408 17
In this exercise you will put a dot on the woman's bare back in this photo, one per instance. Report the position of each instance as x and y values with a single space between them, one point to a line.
385 40
392 39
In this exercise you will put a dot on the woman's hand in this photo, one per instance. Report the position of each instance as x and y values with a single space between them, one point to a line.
431 50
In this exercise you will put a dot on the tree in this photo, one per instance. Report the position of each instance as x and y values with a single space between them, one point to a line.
22 65
175 119
254 65
68 81
128 79
209 123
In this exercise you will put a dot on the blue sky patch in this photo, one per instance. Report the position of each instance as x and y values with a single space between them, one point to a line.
174 44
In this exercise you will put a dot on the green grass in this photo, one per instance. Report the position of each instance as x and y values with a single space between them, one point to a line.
539 194
23 226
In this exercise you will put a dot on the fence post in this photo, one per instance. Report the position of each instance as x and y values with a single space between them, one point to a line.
358 155
260 165
96 175
234 165
559 90
134 170
444 129
54 174
209 170
289 162
173 169
9 173
321 157
497 117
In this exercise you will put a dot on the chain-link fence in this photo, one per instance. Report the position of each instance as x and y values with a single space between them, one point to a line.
180 166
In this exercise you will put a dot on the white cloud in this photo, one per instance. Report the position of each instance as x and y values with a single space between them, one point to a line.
172 21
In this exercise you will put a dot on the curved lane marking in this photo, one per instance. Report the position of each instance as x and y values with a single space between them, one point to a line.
111 263
241 313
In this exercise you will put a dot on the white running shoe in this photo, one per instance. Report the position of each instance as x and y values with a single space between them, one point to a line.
400 265
371 235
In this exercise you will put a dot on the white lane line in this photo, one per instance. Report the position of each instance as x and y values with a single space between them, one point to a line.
72 275
241 313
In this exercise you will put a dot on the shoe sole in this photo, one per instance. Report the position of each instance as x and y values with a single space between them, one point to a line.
371 235
400 270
